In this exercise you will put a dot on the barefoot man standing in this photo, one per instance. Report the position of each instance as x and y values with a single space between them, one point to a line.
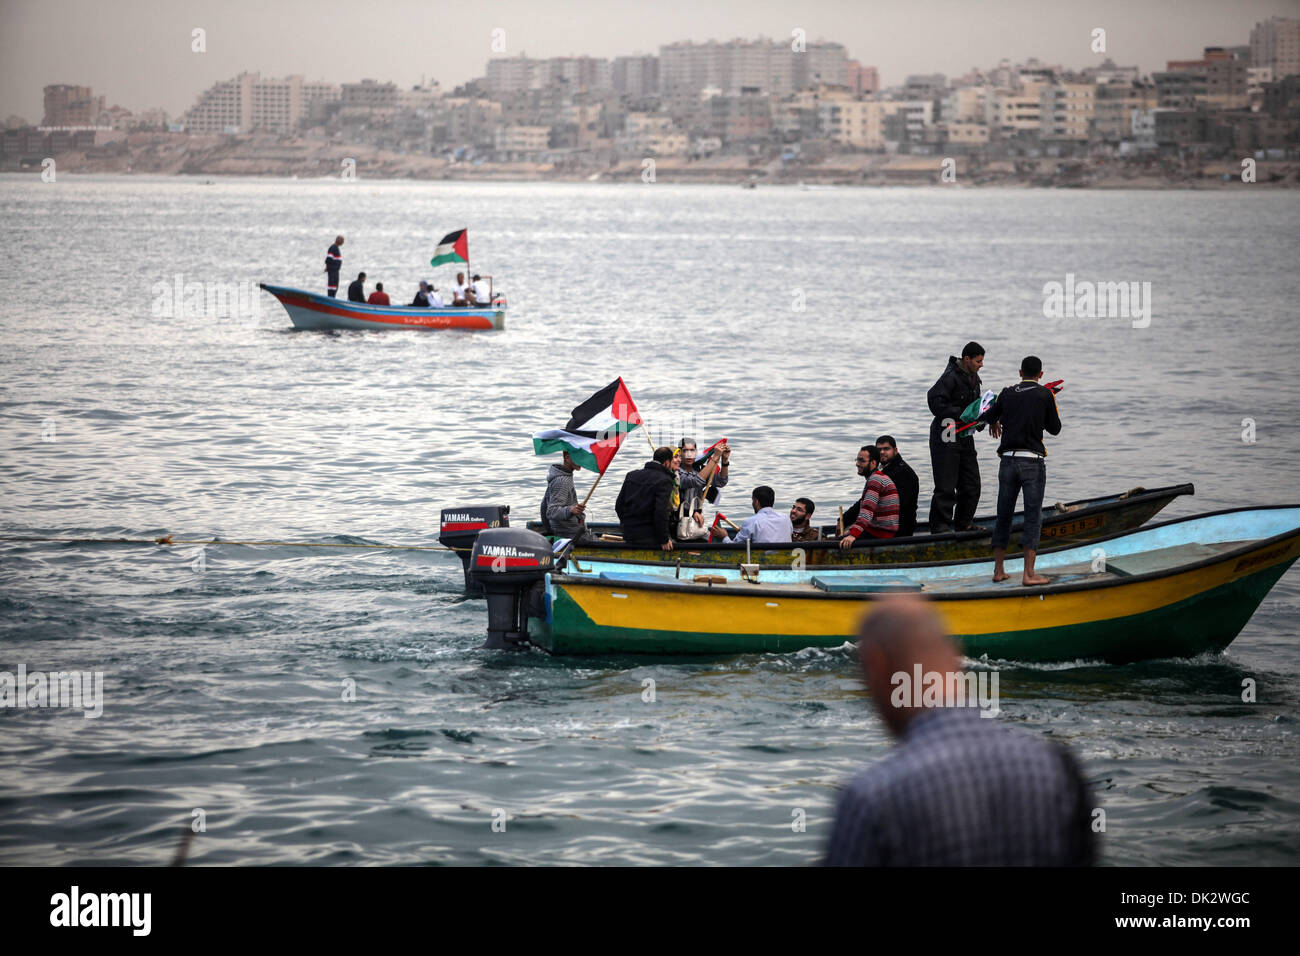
1022 411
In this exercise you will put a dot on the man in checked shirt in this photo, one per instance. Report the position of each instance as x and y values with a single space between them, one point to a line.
958 789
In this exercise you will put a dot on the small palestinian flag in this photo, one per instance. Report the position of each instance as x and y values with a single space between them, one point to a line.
453 248
596 429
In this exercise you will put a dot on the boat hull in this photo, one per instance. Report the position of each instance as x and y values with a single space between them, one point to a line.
307 310
1179 612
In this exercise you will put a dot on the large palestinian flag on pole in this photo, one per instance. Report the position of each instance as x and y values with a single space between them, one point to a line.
595 430
453 248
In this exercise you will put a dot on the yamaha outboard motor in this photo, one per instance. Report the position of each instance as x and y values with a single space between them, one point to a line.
510 566
461 526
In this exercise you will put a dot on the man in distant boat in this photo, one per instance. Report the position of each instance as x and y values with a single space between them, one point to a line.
422 296
877 515
952 457
644 503
333 263
459 291
767 526
379 296
693 477
1023 410
357 288
435 297
801 513
562 513
481 295
904 479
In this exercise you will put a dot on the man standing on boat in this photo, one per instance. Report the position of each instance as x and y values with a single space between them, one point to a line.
878 510
333 263
1023 410
644 503
952 456
562 514
357 289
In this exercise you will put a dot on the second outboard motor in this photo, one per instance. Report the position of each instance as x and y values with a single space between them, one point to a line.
461 526
510 566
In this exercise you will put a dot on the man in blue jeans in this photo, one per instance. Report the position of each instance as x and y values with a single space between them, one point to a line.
1023 410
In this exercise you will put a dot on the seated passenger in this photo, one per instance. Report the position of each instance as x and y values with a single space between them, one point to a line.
357 290
459 290
801 513
422 297
878 509
435 297
379 296
768 526
482 294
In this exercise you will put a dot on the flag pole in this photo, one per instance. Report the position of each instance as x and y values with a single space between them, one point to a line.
593 488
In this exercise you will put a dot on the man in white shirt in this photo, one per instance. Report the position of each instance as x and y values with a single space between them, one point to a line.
768 526
458 290
435 297
482 295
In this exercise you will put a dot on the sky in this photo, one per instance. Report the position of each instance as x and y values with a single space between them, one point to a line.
138 52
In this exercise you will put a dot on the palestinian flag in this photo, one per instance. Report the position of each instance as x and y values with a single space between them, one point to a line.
978 407
453 248
595 430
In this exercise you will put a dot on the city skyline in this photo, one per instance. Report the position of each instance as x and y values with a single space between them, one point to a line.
141 58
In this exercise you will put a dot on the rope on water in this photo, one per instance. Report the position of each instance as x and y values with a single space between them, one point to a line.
167 540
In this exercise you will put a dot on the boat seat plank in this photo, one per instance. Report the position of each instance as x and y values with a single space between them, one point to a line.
1161 559
640 578
864 584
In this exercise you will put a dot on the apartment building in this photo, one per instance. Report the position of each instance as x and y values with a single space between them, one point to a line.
250 102
67 105
1275 44
1066 111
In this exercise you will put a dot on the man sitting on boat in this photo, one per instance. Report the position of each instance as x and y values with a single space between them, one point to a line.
801 513
357 289
767 526
480 294
904 479
379 296
422 296
459 291
644 503
562 514
878 509
435 297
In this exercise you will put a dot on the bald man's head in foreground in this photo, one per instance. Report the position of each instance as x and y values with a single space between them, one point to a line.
895 635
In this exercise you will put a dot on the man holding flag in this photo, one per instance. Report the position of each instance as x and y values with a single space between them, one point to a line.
952 456
594 432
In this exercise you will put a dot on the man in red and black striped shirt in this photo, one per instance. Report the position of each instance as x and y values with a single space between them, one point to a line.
878 509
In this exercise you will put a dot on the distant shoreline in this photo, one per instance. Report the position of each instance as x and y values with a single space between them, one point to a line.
286 158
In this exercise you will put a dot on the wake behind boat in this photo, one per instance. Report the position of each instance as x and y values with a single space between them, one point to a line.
309 310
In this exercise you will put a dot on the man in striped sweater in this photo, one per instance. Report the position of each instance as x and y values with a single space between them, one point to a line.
878 509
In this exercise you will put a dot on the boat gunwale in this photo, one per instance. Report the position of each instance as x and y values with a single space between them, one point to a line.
450 310
1115 502
985 593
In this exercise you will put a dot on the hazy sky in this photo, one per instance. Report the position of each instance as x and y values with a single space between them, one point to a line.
137 52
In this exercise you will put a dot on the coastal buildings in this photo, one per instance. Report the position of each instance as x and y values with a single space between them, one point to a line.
249 102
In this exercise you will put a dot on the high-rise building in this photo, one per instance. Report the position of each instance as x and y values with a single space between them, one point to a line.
249 102
1275 44
861 80
71 106
765 65
636 76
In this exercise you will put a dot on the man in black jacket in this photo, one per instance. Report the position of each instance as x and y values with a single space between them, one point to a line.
644 503
357 289
904 478
952 457
1023 410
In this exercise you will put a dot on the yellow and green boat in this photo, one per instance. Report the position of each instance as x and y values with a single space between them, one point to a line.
1174 589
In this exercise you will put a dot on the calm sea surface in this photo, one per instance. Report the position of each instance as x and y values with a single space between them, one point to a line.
121 415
